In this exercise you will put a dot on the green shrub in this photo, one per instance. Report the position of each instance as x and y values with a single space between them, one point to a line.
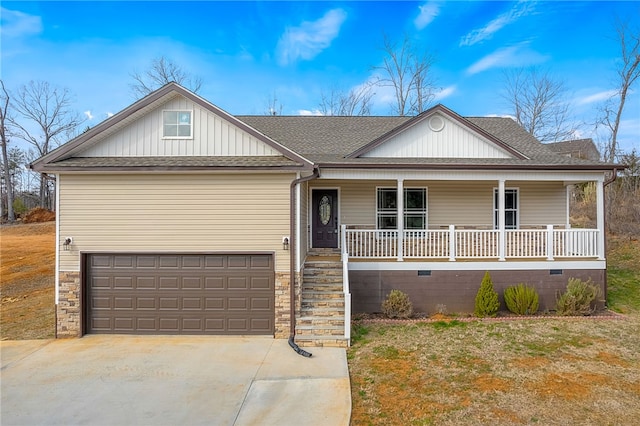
397 305
578 299
521 299
487 302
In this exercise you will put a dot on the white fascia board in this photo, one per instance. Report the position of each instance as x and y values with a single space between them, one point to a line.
477 266
461 175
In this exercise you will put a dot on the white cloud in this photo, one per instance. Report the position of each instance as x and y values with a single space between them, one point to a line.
310 38
597 97
309 112
110 114
445 93
511 56
18 24
428 13
520 9
89 115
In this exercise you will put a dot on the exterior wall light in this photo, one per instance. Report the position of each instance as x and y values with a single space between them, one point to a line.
285 243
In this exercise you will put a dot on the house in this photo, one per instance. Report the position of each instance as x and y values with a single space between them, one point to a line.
174 216
577 148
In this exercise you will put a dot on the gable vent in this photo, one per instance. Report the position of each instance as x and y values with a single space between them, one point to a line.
436 123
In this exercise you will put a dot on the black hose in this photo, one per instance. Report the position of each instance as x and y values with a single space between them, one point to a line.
298 349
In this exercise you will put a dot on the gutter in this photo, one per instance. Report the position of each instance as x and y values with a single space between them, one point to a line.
292 259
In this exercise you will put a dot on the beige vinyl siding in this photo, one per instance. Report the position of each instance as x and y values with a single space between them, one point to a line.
460 203
174 213
212 136
542 203
453 141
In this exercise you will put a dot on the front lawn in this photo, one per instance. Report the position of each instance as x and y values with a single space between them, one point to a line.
524 371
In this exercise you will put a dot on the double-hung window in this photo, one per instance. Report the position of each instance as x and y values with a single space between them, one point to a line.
510 208
415 208
177 124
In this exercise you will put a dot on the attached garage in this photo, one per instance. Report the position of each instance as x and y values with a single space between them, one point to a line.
180 294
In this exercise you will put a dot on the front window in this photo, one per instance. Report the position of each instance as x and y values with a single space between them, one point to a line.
177 124
510 208
415 208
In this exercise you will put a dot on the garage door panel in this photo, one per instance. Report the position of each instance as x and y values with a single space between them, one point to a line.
214 283
174 294
168 262
238 283
168 303
215 262
123 262
145 283
192 283
169 283
100 282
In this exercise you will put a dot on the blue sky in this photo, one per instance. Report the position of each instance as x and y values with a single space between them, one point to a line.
246 51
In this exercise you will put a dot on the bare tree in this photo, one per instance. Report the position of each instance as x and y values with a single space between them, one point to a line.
408 72
357 101
4 140
274 107
48 111
627 72
162 71
539 103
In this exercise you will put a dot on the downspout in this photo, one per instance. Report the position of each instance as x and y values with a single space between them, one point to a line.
604 185
292 259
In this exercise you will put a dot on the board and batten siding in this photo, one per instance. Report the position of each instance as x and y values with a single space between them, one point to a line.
174 213
459 203
453 141
212 136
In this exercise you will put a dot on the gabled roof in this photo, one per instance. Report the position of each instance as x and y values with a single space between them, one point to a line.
578 148
310 141
52 160
425 115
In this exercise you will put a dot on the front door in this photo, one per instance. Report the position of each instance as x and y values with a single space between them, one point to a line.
324 224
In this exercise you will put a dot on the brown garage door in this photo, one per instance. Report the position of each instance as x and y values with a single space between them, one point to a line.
180 294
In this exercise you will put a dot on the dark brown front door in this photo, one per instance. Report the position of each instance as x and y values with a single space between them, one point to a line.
324 224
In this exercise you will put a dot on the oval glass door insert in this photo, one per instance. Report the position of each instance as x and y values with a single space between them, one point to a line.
324 209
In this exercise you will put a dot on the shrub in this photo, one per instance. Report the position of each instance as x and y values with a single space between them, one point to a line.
487 302
521 299
578 299
397 305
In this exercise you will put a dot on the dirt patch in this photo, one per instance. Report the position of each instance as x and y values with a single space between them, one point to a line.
27 268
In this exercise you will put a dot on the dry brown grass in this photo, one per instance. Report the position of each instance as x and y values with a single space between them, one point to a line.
584 371
27 259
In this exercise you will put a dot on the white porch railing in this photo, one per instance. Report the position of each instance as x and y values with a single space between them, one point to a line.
345 287
455 243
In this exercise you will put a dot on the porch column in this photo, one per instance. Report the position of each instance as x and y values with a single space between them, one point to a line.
400 218
501 222
600 216
569 189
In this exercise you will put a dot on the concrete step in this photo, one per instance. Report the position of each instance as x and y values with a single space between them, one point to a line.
322 303
321 341
324 312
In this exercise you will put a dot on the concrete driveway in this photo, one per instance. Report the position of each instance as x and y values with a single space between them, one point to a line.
171 380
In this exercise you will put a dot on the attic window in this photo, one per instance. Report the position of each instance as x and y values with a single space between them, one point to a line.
177 124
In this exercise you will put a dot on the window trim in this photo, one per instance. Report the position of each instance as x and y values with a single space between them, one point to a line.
191 115
516 190
414 212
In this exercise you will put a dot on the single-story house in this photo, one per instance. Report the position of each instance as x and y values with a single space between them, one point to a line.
174 216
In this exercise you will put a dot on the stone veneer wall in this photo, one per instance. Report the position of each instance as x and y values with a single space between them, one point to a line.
68 310
282 303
